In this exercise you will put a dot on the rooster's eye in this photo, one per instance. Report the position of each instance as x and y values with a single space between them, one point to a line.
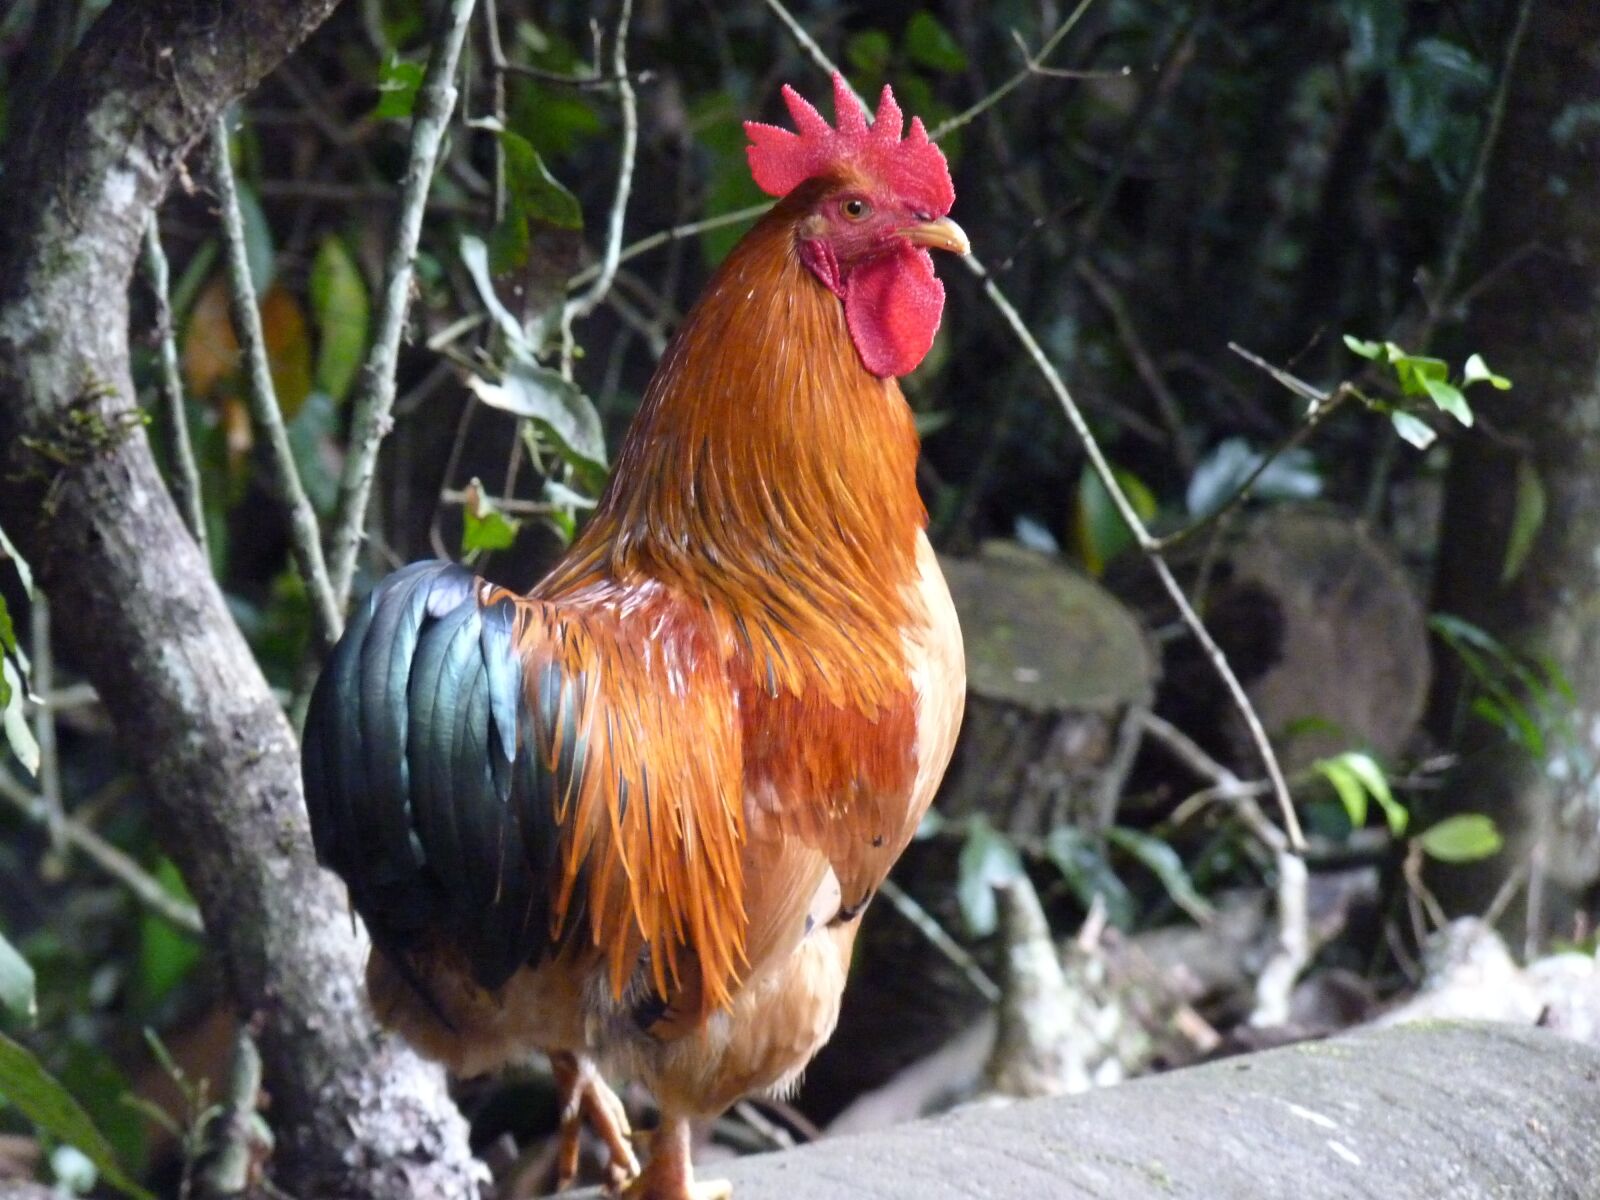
856 209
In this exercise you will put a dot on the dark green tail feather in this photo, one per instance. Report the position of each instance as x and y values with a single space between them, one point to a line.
422 789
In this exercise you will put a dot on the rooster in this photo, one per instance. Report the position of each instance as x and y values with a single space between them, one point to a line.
631 819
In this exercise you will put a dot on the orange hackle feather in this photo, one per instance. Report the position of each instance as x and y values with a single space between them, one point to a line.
759 529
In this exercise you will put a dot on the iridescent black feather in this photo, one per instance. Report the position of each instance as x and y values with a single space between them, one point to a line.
424 791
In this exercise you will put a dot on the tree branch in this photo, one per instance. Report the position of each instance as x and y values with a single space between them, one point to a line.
585 304
145 888
186 476
134 603
1033 64
305 537
436 101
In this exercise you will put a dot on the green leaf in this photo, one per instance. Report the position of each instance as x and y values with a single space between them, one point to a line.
532 191
1082 862
1357 778
1477 371
1414 370
17 730
195 274
166 955
1449 398
483 526
1369 350
1376 30
728 186
17 998
8 630
1099 531
24 572
1526 519
933 46
1347 786
869 51
92 1076
37 1095
561 410
1163 862
314 428
398 84
987 858
1513 720
1464 838
1372 777
343 312
475 257
1413 429
259 250
532 194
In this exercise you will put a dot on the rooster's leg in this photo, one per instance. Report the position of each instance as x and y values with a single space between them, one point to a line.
668 1175
585 1097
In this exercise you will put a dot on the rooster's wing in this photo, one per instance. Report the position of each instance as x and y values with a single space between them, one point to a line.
517 776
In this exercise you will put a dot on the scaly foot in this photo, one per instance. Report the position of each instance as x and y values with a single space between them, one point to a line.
586 1098
669 1175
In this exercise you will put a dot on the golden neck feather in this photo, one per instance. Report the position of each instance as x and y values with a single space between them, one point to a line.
770 476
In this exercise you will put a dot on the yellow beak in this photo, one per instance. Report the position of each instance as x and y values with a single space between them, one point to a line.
943 234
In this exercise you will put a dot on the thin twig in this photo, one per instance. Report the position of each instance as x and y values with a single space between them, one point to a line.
581 82
185 475
1461 235
1151 548
305 539
44 718
515 506
497 88
436 101
691 229
807 42
1036 66
1275 984
145 888
1122 321
1033 66
908 908
581 306
1316 414
231 1139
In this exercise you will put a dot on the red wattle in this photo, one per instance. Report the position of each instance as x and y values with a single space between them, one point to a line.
892 304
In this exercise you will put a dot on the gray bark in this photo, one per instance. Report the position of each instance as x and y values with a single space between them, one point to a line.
1538 322
1472 1112
356 1113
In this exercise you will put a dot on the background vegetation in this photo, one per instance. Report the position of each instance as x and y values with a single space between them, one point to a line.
1299 248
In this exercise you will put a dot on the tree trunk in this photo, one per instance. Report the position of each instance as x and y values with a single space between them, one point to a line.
1472 1112
135 604
1538 323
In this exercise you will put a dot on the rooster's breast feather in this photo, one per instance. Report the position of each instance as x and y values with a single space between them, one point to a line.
515 776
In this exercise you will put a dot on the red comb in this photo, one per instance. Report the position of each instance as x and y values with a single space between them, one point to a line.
914 167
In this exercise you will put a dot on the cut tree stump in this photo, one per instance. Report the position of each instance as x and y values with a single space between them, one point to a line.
1419 1112
1053 662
